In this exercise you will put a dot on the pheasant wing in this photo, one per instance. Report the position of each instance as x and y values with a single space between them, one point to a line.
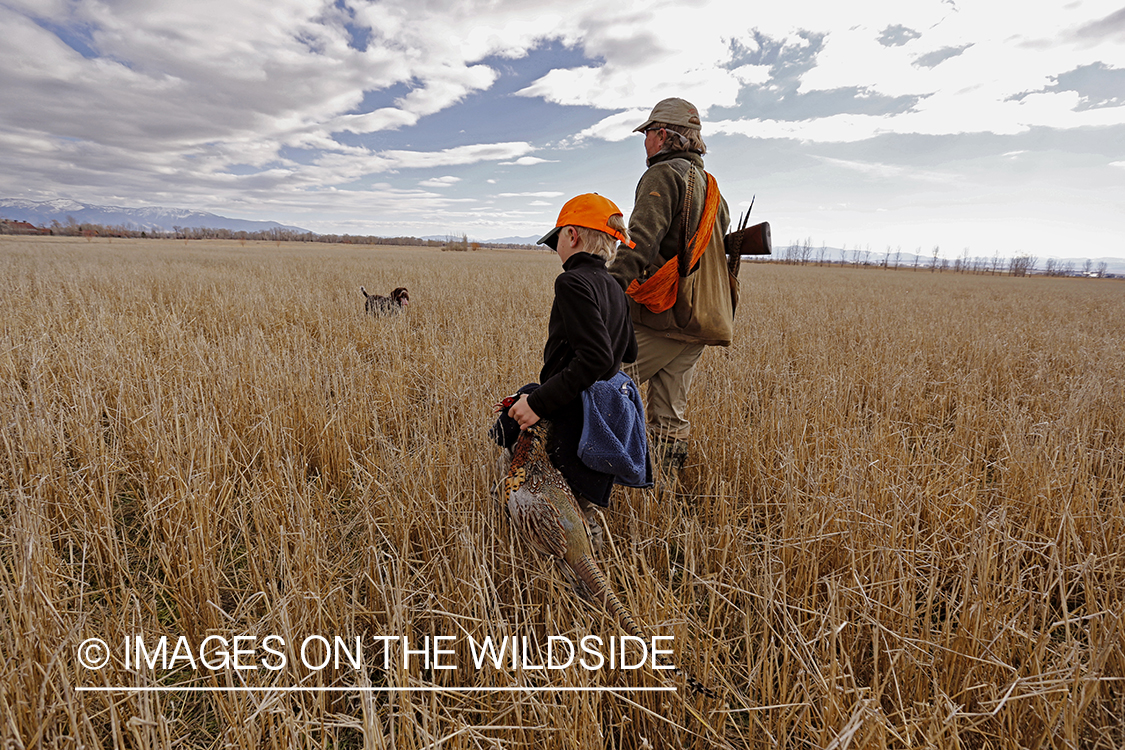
538 520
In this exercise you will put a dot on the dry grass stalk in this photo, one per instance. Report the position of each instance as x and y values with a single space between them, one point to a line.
901 526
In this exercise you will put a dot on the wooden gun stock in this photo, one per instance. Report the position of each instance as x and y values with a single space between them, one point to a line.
753 240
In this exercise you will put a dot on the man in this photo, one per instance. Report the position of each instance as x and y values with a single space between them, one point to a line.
698 297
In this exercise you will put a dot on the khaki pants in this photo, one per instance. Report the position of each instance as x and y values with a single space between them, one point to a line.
667 365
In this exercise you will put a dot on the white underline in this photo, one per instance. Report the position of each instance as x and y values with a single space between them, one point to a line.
290 689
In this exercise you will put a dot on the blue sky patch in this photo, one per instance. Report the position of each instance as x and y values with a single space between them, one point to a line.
897 35
496 114
358 36
79 38
937 57
1098 85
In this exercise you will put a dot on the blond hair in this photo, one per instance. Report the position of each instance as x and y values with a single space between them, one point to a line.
600 243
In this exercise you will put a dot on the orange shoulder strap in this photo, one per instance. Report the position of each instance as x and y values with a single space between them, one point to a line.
658 292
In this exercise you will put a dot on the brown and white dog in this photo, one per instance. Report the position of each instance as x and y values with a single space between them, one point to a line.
377 304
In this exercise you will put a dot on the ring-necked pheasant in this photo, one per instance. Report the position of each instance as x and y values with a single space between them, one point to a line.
545 512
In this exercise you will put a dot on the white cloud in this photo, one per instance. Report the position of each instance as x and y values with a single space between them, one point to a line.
340 168
835 129
940 114
454 156
439 182
213 77
385 118
890 171
528 161
222 103
752 75
448 86
616 127
994 57
969 68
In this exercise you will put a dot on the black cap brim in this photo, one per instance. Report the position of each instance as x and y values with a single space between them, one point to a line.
550 239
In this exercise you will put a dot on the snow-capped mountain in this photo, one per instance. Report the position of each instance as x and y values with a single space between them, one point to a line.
152 219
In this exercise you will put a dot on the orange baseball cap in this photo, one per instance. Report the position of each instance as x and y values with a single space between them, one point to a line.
589 210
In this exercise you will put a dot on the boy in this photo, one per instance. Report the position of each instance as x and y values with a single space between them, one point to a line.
589 336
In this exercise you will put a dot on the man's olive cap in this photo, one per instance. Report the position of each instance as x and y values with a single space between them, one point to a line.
673 112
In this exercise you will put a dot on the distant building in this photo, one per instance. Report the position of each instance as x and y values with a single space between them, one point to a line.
20 227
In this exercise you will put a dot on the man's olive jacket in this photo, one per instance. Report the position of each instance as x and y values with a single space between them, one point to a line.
706 299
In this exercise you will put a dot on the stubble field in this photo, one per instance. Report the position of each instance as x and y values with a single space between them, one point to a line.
902 522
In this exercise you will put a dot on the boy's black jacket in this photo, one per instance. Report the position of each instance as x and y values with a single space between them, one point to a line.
589 334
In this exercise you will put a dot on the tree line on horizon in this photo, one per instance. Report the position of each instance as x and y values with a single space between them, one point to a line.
800 252
72 228
803 253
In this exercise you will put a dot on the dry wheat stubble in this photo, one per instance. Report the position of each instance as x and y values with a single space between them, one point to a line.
905 513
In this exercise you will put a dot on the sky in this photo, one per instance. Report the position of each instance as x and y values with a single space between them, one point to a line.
979 127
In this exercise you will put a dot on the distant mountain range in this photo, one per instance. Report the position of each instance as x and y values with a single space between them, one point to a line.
158 219
515 241
154 219
494 241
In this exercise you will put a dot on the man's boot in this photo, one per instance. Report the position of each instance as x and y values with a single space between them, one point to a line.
670 454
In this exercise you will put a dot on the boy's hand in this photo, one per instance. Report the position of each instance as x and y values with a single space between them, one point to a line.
522 413
503 404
